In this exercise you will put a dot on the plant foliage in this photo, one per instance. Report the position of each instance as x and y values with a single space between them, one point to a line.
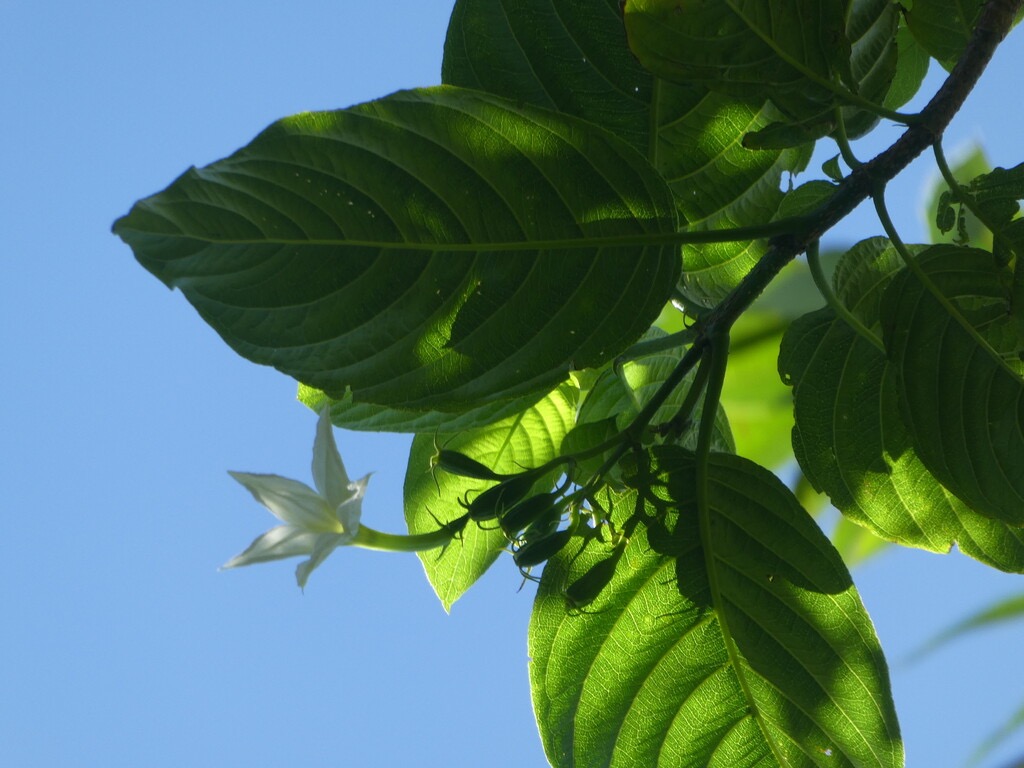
547 269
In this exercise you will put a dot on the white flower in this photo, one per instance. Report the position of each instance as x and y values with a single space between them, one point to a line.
315 521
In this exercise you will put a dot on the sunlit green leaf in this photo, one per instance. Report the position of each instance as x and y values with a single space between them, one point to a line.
406 248
570 56
717 182
566 56
792 52
959 372
734 641
523 441
759 405
850 439
911 67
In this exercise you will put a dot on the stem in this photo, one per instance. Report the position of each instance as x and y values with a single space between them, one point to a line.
693 395
843 142
719 357
369 538
690 359
814 262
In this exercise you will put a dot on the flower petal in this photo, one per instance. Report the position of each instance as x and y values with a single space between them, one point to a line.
350 511
324 545
277 543
292 502
329 473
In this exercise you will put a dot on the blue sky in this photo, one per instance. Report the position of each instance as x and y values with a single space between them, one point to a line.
122 645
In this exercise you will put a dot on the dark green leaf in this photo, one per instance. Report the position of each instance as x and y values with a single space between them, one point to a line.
850 439
790 52
572 56
567 56
717 182
407 248
746 47
738 640
943 27
994 196
958 370
524 441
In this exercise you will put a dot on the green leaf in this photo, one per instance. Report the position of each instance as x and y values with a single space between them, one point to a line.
408 248
717 182
791 52
734 641
567 56
747 47
526 440
943 27
872 27
958 370
348 414
911 67
572 57
1013 724
850 439
994 198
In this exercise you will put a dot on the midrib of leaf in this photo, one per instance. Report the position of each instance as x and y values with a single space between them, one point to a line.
713 394
718 599
736 234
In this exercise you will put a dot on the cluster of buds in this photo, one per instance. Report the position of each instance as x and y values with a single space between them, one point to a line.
533 521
